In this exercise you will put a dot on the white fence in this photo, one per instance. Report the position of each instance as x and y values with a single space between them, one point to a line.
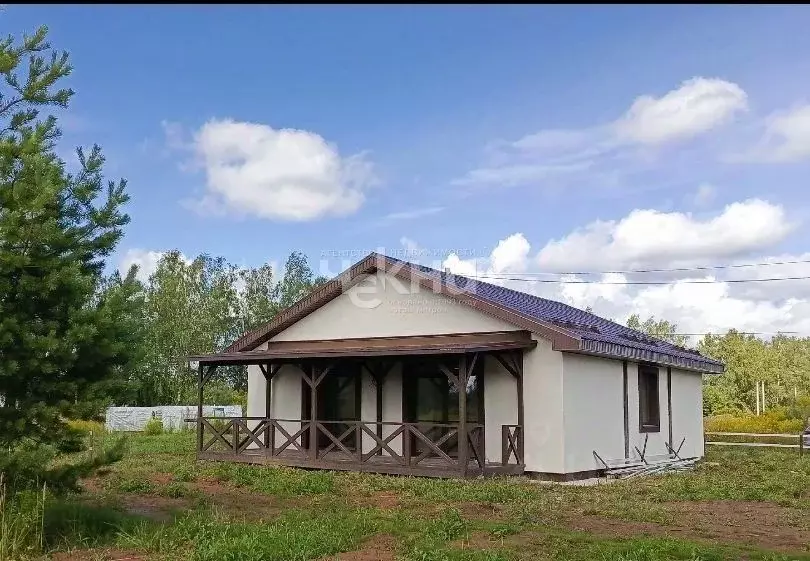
172 416
802 440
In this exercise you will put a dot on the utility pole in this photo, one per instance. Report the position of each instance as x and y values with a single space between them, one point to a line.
757 398
763 396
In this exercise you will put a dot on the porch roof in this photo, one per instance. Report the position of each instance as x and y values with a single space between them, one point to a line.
455 343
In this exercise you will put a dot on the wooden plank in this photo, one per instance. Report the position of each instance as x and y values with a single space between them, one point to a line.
336 441
521 407
763 444
200 408
669 402
292 440
754 434
435 447
463 375
383 444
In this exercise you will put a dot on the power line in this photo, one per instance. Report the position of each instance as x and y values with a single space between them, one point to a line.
738 333
672 270
687 281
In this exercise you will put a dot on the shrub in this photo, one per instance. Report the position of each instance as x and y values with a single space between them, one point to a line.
86 427
768 423
29 467
153 427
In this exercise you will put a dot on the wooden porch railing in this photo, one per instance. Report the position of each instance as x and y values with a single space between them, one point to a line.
512 442
387 447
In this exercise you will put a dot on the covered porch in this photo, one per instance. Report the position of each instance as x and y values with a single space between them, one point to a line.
411 405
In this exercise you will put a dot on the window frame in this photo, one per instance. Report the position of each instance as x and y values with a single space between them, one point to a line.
647 371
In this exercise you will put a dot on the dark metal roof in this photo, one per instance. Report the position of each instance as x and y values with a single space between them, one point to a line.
569 329
598 335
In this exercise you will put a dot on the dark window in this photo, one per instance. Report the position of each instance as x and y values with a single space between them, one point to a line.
649 411
430 401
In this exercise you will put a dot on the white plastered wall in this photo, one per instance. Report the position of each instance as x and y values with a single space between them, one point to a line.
285 395
687 413
543 413
593 410
384 306
500 406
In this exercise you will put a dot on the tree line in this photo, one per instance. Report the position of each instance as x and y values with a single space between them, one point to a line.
782 363
196 307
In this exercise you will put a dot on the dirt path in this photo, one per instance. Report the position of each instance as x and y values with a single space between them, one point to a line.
764 525
377 548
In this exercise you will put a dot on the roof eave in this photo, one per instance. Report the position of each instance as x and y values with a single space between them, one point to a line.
600 348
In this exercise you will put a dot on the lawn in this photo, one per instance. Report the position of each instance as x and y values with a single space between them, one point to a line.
159 503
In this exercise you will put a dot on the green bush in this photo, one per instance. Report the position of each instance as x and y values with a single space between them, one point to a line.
86 427
770 422
153 427
31 466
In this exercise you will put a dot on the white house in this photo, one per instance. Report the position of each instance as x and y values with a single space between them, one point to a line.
364 374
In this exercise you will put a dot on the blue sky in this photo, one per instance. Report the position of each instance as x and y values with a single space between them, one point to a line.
401 111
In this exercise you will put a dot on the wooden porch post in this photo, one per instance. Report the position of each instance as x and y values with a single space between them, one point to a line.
269 371
314 380
313 429
199 407
462 414
521 414
379 371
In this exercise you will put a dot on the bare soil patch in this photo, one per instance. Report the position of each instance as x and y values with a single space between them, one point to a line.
161 478
159 509
759 524
98 555
475 541
385 500
92 485
481 511
244 503
376 548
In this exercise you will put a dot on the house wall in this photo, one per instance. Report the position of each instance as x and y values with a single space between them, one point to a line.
384 306
500 406
285 395
687 412
593 411
543 415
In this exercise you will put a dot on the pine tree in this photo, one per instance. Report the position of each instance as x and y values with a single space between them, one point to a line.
57 340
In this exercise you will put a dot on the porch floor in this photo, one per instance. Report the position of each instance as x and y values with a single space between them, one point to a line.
340 461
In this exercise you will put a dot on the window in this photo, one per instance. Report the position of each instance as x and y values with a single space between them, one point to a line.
649 412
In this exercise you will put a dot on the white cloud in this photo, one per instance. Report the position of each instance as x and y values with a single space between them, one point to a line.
704 195
146 260
409 245
415 213
606 154
510 254
697 106
786 137
277 174
647 238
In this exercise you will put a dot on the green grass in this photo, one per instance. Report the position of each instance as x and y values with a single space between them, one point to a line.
307 515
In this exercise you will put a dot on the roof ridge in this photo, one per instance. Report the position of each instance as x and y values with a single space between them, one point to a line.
617 328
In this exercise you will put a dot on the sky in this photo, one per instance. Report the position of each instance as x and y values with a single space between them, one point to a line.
506 142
